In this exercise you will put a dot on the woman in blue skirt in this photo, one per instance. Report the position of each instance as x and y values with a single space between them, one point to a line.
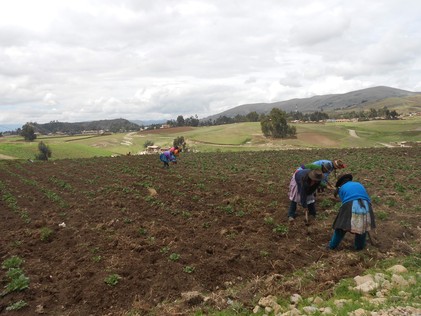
355 214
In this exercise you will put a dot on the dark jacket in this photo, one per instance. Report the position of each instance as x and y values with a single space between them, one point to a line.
304 186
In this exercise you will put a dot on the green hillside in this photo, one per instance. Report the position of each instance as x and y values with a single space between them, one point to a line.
230 137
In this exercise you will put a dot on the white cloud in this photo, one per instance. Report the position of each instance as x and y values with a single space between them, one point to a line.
76 60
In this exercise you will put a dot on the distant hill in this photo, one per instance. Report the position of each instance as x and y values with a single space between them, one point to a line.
148 122
116 125
354 100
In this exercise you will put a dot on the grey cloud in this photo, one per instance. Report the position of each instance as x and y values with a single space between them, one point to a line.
151 59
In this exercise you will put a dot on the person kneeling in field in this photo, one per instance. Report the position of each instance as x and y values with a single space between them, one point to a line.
302 187
355 214
167 156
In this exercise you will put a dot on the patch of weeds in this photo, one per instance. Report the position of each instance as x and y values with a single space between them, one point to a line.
112 279
273 203
323 216
391 202
127 190
281 229
206 225
150 199
376 199
201 186
15 276
25 216
417 208
174 256
16 306
405 224
60 183
228 209
413 262
46 234
127 220
186 214
16 243
264 253
97 258
142 231
151 239
326 203
269 220
165 249
12 262
399 187
188 269
382 215
343 290
337 206
231 235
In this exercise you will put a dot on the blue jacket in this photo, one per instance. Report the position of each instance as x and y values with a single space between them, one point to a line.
352 191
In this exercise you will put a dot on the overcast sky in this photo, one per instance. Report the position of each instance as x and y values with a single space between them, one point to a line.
82 60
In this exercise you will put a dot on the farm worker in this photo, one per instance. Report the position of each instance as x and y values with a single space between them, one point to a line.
355 214
302 187
325 170
174 148
327 167
166 157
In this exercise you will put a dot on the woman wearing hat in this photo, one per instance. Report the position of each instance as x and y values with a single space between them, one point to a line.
327 167
355 214
302 187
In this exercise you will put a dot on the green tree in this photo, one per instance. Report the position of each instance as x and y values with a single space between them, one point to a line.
393 115
372 113
44 152
28 132
180 120
252 117
275 125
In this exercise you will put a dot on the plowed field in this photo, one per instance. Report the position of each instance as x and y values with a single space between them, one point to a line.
213 223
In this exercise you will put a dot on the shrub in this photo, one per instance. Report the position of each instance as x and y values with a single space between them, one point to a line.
148 143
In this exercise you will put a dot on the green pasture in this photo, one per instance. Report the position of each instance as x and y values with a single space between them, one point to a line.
230 137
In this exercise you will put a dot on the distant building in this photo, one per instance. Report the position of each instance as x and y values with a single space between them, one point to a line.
153 149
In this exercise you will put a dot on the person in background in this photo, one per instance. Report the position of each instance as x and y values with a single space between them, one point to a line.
167 156
302 188
328 166
174 148
355 214
325 170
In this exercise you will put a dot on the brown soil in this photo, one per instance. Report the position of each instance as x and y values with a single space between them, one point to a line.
217 211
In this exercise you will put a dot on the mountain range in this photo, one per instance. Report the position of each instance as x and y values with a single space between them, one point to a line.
360 100
364 99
